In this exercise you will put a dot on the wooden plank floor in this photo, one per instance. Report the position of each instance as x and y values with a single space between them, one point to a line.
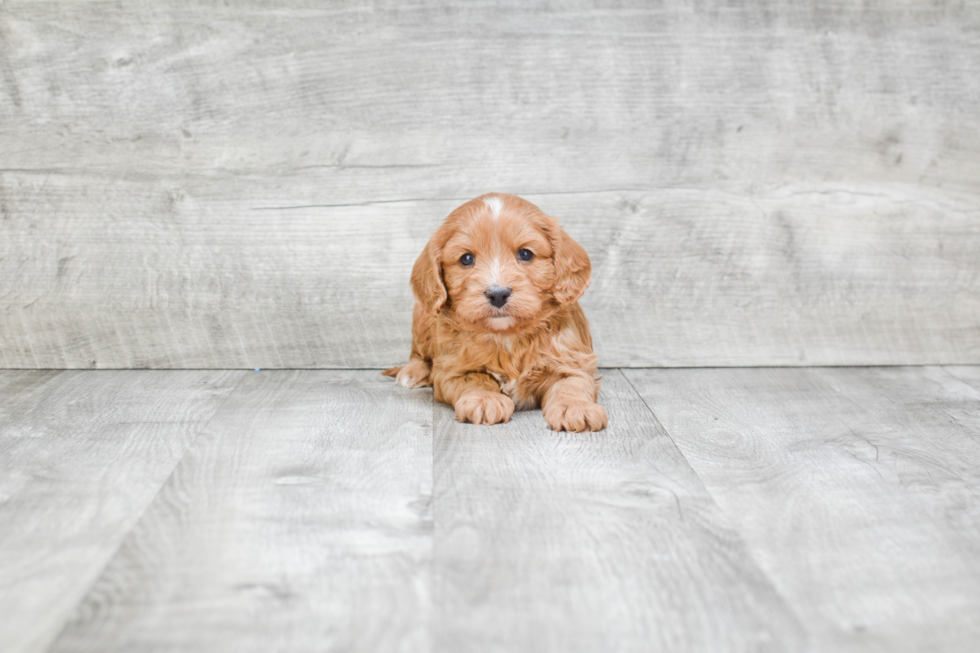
857 491
823 509
81 457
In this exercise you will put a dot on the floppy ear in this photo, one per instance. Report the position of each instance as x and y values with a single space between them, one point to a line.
427 283
573 270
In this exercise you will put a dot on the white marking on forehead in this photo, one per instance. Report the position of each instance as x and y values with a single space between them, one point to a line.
495 272
494 204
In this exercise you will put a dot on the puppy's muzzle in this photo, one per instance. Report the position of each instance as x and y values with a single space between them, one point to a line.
497 295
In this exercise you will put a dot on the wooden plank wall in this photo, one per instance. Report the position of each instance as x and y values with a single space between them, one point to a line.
758 183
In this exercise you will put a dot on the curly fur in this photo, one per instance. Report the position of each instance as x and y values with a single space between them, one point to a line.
533 351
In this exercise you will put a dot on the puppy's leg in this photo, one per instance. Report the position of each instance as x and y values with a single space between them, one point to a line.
475 396
569 405
416 373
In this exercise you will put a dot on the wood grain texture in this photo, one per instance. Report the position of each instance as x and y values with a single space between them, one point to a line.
81 457
969 374
589 542
821 509
212 186
856 491
681 278
299 521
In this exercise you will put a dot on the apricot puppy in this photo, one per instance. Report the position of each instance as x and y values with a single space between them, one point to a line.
497 325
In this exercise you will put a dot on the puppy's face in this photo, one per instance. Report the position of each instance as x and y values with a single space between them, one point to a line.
497 267
499 264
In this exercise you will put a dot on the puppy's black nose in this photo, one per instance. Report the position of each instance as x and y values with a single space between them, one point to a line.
497 295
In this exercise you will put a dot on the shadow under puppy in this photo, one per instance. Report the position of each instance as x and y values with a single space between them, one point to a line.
497 323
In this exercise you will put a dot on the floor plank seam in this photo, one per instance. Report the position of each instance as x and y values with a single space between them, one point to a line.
787 605
851 400
122 540
965 383
656 419
654 415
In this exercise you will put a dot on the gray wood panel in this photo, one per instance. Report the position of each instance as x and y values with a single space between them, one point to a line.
298 521
81 457
589 542
681 278
208 186
855 489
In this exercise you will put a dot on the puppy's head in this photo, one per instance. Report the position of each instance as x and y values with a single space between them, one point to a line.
500 264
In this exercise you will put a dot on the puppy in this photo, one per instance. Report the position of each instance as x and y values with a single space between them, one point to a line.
497 325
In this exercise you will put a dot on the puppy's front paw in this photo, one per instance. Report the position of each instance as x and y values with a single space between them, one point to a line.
414 374
484 408
575 416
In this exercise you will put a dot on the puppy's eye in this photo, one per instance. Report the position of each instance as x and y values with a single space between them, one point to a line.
525 255
466 259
